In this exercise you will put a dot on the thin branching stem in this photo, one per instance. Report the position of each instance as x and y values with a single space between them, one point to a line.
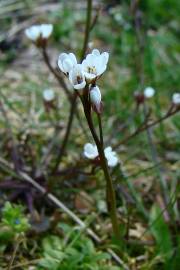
73 99
66 136
145 125
110 193
88 27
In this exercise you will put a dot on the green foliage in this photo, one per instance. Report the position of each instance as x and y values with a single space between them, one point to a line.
13 220
161 234
33 130
73 252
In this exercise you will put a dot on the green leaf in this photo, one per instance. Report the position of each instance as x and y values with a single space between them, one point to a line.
160 232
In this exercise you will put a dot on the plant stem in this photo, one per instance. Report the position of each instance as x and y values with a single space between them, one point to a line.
100 129
18 241
88 26
67 133
71 98
110 194
145 125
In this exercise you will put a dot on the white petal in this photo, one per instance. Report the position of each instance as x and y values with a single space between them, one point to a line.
90 60
105 57
111 156
113 161
80 85
33 32
73 58
100 65
62 56
149 92
67 65
89 76
95 95
66 62
108 150
90 151
176 98
96 52
75 74
46 30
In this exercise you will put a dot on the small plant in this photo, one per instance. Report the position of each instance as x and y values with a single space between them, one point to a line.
13 221
73 252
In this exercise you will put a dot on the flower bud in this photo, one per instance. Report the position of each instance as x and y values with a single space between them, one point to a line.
149 92
48 95
95 97
176 98
49 99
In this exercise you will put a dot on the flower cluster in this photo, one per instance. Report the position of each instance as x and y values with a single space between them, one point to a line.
91 152
85 74
39 34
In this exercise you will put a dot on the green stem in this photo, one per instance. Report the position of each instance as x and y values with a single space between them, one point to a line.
110 193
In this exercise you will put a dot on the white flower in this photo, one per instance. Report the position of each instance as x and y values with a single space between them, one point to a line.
95 64
48 95
39 31
149 92
90 151
95 95
111 156
76 77
176 98
66 62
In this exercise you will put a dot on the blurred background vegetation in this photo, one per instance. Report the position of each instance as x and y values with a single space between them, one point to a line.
142 38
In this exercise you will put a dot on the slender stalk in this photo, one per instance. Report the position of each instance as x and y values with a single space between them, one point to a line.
17 243
14 152
72 98
88 26
67 133
145 125
110 194
100 129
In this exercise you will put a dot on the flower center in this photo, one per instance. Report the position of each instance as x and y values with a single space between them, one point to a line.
91 70
79 79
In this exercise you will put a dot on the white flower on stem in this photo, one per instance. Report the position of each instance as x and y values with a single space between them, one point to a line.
176 98
66 62
48 95
111 156
36 32
76 77
149 92
95 97
95 64
90 151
